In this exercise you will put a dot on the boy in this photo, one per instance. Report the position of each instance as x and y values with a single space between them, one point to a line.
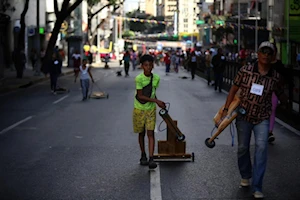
85 74
144 113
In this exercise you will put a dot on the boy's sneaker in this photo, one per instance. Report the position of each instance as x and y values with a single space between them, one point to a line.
144 160
271 137
152 164
245 182
258 195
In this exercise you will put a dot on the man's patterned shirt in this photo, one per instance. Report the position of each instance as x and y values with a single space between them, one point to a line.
258 108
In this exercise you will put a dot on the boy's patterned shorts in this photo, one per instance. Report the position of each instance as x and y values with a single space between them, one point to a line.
143 120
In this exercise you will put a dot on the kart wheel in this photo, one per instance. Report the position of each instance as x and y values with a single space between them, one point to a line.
180 137
107 96
163 112
210 144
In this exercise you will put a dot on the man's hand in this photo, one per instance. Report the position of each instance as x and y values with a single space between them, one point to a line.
161 104
224 113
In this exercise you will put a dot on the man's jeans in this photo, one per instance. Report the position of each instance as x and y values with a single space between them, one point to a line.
244 130
208 75
218 81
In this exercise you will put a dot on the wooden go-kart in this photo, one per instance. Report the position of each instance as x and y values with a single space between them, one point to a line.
173 149
98 94
222 123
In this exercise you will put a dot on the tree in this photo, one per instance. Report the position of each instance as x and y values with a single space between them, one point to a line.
91 15
19 51
61 15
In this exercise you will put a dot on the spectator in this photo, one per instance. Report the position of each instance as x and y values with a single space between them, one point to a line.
219 63
54 70
193 64
126 59
76 57
167 61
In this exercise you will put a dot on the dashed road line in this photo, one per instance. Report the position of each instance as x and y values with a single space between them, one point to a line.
155 186
59 100
14 125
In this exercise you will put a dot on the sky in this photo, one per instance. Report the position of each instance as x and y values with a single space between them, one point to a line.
130 5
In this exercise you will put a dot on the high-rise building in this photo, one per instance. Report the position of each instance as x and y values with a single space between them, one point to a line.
150 6
182 14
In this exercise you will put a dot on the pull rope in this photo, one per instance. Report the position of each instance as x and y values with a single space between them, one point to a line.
167 103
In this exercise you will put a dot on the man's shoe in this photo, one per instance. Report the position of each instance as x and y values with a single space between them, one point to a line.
258 195
152 164
245 182
144 160
271 137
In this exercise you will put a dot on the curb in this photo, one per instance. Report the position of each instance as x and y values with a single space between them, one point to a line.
30 83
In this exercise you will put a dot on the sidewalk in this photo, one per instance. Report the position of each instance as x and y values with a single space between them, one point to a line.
10 82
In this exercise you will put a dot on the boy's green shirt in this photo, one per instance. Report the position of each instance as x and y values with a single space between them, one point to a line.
141 81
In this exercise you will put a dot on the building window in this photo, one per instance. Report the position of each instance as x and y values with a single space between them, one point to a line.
185 20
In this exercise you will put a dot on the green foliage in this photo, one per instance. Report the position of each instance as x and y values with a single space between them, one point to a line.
128 33
91 3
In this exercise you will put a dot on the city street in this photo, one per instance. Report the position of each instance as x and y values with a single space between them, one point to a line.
57 147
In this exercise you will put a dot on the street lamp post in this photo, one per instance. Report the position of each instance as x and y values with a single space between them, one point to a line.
38 43
256 24
288 32
239 26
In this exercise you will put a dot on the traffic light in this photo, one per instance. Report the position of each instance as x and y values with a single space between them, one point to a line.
235 41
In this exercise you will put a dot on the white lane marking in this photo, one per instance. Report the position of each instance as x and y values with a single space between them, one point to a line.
155 129
59 100
14 125
155 187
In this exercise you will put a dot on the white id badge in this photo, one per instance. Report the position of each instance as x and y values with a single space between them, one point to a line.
257 89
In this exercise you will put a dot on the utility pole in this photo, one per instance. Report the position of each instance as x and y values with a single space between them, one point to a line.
256 24
288 32
38 44
239 26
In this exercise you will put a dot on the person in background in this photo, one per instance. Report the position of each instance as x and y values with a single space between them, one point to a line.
167 61
193 64
54 70
133 60
33 58
85 75
219 63
76 57
256 84
208 65
126 59
285 78
298 59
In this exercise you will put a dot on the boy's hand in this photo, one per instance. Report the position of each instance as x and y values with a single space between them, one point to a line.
161 104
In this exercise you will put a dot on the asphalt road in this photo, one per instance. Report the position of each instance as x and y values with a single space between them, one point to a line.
58 147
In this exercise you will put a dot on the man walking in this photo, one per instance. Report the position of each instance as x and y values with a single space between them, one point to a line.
256 84
219 63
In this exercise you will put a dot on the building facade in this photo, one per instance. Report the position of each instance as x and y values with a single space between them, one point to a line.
9 28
